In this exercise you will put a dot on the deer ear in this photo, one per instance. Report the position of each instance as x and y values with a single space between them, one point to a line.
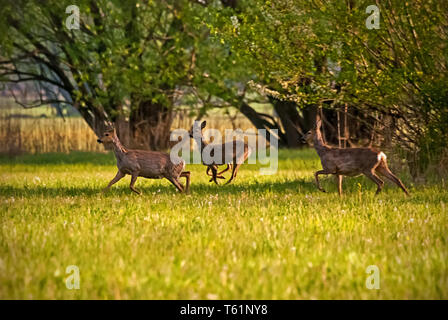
110 126
203 124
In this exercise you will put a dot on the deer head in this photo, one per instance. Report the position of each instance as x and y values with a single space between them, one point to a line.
309 136
196 130
108 136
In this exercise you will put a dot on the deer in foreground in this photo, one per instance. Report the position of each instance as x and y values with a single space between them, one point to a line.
350 162
233 154
142 163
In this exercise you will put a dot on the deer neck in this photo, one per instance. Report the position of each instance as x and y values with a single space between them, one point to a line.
319 143
119 149
200 141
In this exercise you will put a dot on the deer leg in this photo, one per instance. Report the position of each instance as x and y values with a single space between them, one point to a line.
339 176
229 166
385 171
117 177
176 184
218 175
186 175
210 168
372 175
208 172
316 176
234 172
215 173
237 165
133 179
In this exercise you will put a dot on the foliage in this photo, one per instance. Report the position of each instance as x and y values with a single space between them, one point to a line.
130 61
322 52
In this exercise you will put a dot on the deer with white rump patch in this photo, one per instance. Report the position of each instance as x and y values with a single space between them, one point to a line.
143 163
350 161
233 154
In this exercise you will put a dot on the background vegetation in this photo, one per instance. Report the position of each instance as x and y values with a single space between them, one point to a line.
135 63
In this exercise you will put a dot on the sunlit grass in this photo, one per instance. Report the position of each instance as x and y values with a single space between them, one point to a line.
262 237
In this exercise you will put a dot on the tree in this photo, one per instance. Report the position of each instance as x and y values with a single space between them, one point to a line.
125 64
322 53
272 52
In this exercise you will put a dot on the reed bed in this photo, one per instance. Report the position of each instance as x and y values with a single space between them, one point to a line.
33 135
41 135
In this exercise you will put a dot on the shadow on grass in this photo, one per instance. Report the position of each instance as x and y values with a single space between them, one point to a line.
75 157
301 186
164 189
99 158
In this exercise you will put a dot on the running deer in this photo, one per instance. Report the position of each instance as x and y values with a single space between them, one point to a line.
350 162
233 154
142 163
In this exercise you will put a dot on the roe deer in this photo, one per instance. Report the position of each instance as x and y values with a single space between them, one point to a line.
350 162
142 163
233 154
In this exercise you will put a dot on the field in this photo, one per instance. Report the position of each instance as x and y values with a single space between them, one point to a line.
262 237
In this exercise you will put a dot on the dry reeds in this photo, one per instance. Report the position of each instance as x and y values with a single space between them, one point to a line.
41 135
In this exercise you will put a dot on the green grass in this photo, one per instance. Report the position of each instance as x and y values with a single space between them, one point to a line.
263 237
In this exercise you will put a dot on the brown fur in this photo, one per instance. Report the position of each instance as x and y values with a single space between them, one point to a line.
142 163
350 162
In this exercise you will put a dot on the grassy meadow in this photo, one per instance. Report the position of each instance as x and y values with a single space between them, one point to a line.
262 237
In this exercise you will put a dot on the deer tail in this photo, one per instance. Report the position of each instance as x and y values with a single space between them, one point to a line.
382 158
385 171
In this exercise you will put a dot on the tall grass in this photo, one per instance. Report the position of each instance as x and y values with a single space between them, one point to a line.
18 135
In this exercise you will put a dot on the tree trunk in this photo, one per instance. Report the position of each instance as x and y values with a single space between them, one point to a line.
308 118
290 119
150 126
260 122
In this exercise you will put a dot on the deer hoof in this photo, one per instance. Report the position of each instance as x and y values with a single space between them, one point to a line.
218 177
